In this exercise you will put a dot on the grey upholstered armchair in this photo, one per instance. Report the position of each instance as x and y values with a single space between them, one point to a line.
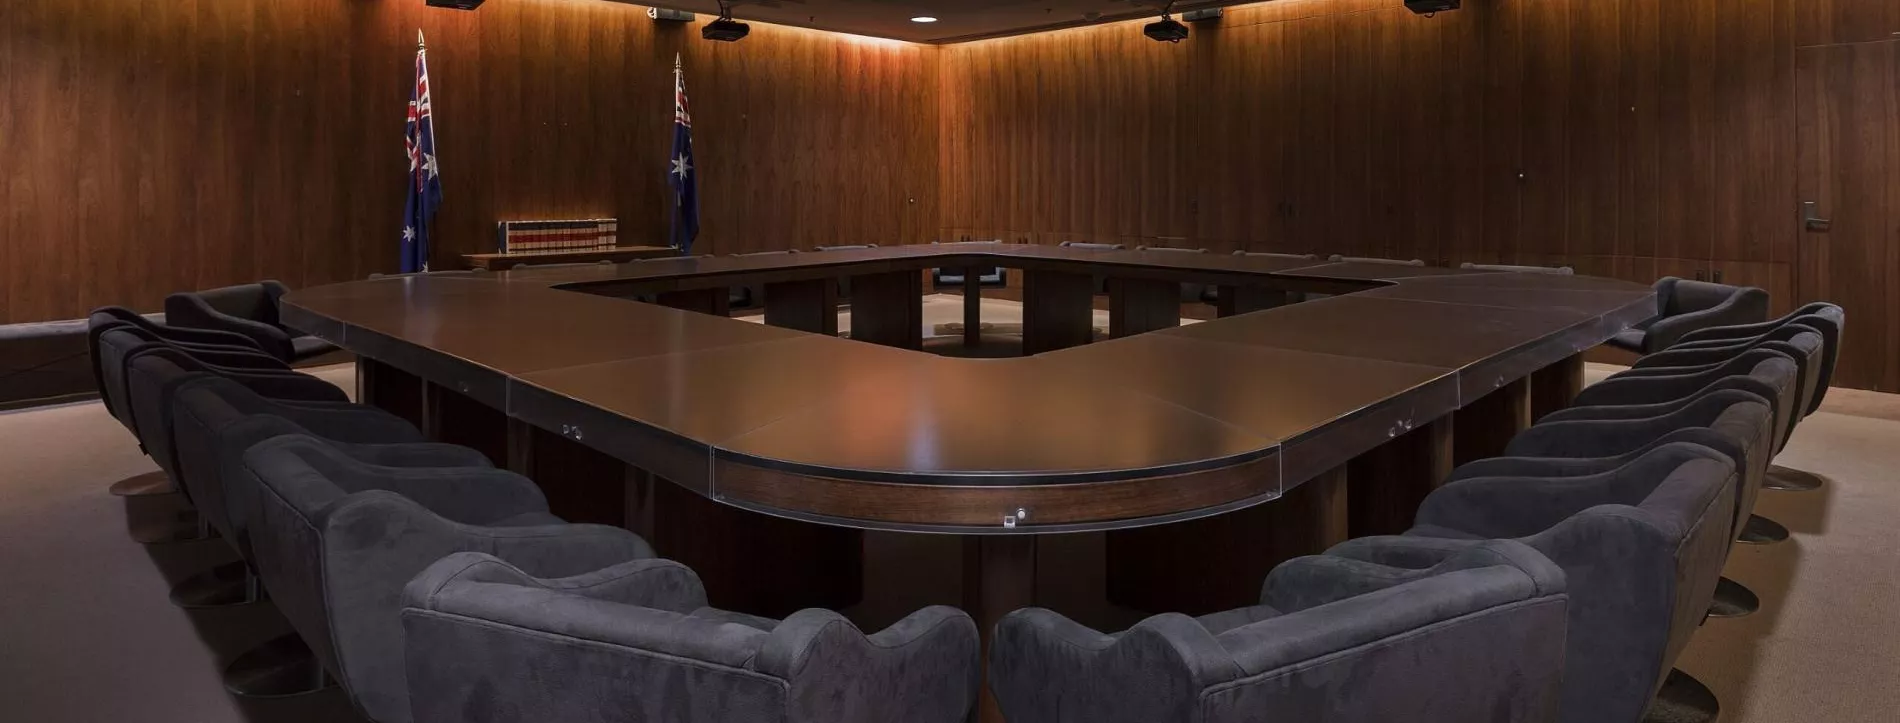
1641 546
335 540
1733 422
215 420
148 380
1826 319
1684 306
1799 342
636 642
113 344
247 309
1476 635
144 411
109 317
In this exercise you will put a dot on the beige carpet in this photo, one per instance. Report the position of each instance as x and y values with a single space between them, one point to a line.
87 634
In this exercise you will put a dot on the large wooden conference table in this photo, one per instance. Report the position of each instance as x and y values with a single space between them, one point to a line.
757 453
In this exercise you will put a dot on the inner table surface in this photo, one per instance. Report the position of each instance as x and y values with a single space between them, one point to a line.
1283 393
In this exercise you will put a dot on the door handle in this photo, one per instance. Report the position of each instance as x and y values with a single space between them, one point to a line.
1811 218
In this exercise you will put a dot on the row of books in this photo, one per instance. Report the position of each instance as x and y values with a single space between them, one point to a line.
513 237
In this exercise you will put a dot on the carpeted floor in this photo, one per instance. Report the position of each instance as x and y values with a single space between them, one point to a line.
87 633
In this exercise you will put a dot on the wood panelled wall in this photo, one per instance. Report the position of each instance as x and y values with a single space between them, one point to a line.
148 147
1626 137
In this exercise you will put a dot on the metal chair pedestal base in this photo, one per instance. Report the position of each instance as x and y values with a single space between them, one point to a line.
280 668
1786 479
145 485
227 585
1762 531
1732 600
1683 699
187 527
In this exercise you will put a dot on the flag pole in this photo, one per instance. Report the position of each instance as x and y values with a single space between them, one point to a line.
419 44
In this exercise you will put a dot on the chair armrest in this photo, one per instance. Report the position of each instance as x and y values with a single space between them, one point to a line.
473 496
413 454
289 386
1746 306
646 582
924 668
1052 668
188 310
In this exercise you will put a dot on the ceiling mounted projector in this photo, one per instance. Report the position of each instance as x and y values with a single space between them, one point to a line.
1428 7
456 4
725 30
1167 30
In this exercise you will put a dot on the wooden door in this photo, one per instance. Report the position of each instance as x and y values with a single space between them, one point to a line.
1848 99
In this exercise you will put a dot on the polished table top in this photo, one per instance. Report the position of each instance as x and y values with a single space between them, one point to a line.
1176 423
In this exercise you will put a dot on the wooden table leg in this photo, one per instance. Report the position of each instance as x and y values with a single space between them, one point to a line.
1388 483
756 563
716 302
1218 563
999 576
1138 306
972 309
1554 386
1058 310
455 418
391 390
1237 300
1484 427
888 309
810 305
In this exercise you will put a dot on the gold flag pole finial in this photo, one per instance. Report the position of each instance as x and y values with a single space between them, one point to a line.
676 62
420 45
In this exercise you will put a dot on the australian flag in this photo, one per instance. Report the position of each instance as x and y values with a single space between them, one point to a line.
425 183
681 174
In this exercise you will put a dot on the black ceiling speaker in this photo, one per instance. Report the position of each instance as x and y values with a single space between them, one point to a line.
456 4
1431 7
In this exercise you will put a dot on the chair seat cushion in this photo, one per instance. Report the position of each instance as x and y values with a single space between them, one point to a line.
730 617
1226 620
309 347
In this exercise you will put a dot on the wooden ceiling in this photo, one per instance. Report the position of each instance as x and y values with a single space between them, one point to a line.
957 20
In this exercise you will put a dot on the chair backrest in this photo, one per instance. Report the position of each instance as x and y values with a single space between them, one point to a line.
1802 345
1826 319
117 341
1092 246
1777 373
1730 416
1276 255
1642 547
1376 260
255 302
216 419
1557 270
1487 623
1642 573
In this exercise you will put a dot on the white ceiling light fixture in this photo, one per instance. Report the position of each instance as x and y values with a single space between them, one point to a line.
923 19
